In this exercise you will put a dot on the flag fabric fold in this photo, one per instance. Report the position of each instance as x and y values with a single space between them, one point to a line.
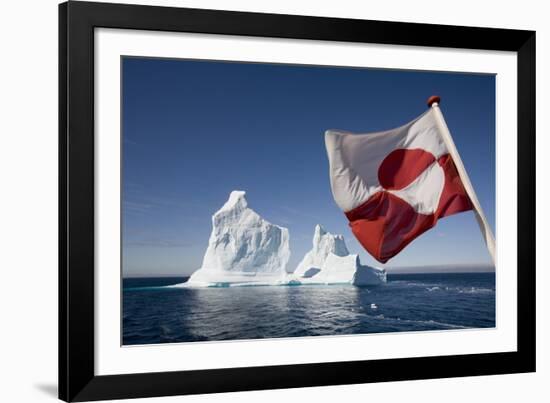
394 185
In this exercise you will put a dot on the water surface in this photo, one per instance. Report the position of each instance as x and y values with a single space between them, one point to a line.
154 313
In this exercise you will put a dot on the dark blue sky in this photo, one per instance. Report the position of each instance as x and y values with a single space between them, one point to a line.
195 130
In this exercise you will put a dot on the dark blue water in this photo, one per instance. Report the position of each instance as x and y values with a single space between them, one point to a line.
411 302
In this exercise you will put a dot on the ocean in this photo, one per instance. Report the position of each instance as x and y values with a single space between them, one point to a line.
154 313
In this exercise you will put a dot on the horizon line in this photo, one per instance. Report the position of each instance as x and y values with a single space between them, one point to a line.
429 269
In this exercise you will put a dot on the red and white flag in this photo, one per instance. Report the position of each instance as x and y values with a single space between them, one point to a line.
395 185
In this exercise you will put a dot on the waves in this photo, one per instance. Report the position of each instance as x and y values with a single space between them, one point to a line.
461 290
166 313
442 287
429 323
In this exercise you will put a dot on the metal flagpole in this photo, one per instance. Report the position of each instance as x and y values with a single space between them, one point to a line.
433 102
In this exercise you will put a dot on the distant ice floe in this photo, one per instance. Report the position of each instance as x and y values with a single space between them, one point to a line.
246 250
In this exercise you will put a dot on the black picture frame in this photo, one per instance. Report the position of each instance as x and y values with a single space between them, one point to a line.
77 379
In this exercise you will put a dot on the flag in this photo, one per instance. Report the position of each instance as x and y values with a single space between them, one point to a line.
394 185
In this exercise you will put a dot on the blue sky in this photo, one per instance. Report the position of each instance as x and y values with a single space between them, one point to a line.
193 131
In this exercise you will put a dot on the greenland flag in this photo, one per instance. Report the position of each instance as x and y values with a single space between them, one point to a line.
394 185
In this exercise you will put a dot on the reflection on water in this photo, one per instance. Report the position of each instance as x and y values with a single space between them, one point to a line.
406 303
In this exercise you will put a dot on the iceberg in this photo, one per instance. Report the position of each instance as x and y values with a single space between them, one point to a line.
324 243
246 250
348 270
243 249
329 262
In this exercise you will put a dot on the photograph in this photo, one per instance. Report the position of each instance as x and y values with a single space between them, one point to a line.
282 200
279 201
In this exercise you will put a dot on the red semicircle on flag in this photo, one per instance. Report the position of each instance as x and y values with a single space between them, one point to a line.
386 223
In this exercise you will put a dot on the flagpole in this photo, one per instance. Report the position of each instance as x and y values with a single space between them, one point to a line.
433 102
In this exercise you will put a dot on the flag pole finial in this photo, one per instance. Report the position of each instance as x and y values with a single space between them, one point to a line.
433 99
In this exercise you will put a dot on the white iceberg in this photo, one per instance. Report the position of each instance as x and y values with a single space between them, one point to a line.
243 249
324 243
329 262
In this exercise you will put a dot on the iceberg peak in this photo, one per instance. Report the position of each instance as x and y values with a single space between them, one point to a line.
318 234
237 200
319 230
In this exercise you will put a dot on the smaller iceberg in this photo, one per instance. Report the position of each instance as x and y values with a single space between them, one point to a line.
329 262
324 243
